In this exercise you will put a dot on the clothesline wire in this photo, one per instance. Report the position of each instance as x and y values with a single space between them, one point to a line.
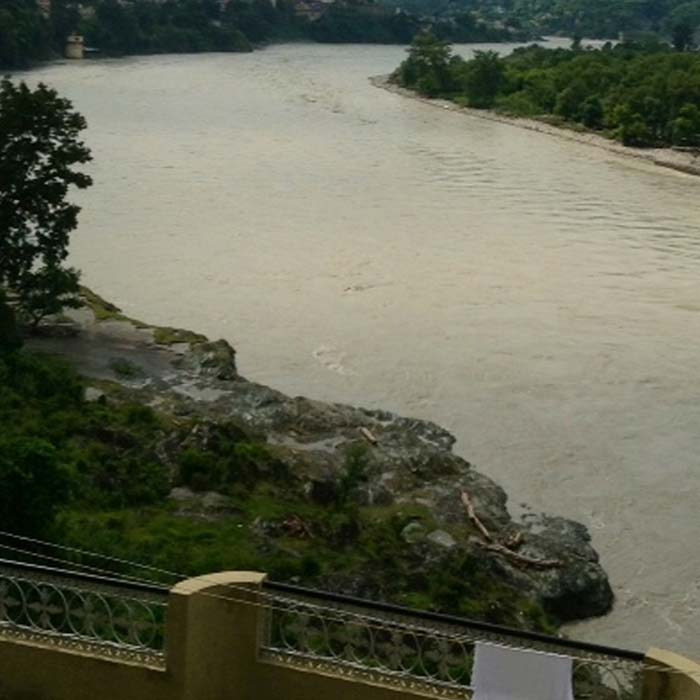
324 612
85 552
87 568
339 614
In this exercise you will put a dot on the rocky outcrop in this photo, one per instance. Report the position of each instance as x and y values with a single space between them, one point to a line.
402 463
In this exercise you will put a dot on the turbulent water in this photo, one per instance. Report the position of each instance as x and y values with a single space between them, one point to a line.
539 298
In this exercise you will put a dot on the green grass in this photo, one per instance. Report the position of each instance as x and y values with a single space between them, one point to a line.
164 335
125 369
103 310
114 462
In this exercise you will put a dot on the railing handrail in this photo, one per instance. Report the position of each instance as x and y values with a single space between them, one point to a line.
453 620
319 595
122 584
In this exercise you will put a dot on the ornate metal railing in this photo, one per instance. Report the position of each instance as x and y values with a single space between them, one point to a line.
111 617
420 651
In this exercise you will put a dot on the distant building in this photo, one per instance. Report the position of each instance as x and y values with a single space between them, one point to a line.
75 47
312 9
223 4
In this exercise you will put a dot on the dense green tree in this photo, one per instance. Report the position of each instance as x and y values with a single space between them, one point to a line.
483 78
643 93
123 27
40 148
570 101
9 333
682 34
64 20
591 113
428 66
25 35
117 29
34 484
631 129
682 23
590 18
685 128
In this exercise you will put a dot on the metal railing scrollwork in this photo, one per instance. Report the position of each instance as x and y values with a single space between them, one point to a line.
83 612
419 651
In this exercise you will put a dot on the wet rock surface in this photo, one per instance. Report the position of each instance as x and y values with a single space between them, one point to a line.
406 462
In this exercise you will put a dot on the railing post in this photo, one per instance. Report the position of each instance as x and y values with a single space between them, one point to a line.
212 635
670 677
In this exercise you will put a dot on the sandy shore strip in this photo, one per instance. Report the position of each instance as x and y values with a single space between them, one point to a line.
683 161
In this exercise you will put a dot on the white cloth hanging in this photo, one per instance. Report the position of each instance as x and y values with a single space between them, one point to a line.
511 674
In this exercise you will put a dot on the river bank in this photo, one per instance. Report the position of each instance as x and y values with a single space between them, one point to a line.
412 536
535 297
685 162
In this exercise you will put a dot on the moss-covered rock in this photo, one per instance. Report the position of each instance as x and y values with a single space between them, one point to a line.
195 469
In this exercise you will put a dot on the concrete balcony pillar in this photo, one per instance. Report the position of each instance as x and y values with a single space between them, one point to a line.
673 678
212 635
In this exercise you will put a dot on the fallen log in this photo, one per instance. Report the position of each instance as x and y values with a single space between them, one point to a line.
514 540
520 558
471 513
369 436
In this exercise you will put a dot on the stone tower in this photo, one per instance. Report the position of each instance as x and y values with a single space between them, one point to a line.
75 46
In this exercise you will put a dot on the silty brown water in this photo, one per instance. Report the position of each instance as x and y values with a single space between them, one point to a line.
539 298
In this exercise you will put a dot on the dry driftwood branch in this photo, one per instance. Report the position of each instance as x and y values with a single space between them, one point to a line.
511 543
469 506
369 436
521 558
514 540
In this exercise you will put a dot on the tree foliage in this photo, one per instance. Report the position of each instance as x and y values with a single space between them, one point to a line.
39 148
119 28
10 338
603 19
34 476
97 475
482 79
428 66
124 27
33 484
642 94
25 35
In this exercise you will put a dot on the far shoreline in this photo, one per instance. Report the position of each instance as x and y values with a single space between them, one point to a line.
680 161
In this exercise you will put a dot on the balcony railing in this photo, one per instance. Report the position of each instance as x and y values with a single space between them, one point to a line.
117 618
422 652
419 651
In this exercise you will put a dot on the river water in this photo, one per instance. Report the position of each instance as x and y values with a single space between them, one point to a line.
537 297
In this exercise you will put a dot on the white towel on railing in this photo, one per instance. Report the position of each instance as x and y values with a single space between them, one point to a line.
511 674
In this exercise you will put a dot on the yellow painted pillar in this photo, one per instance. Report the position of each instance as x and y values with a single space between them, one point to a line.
673 678
212 635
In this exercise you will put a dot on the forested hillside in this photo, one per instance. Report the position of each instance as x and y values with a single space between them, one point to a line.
25 36
605 19
118 28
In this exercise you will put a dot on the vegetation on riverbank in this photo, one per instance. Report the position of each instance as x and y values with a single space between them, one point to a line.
673 20
188 26
360 23
99 475
639 94
167 456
